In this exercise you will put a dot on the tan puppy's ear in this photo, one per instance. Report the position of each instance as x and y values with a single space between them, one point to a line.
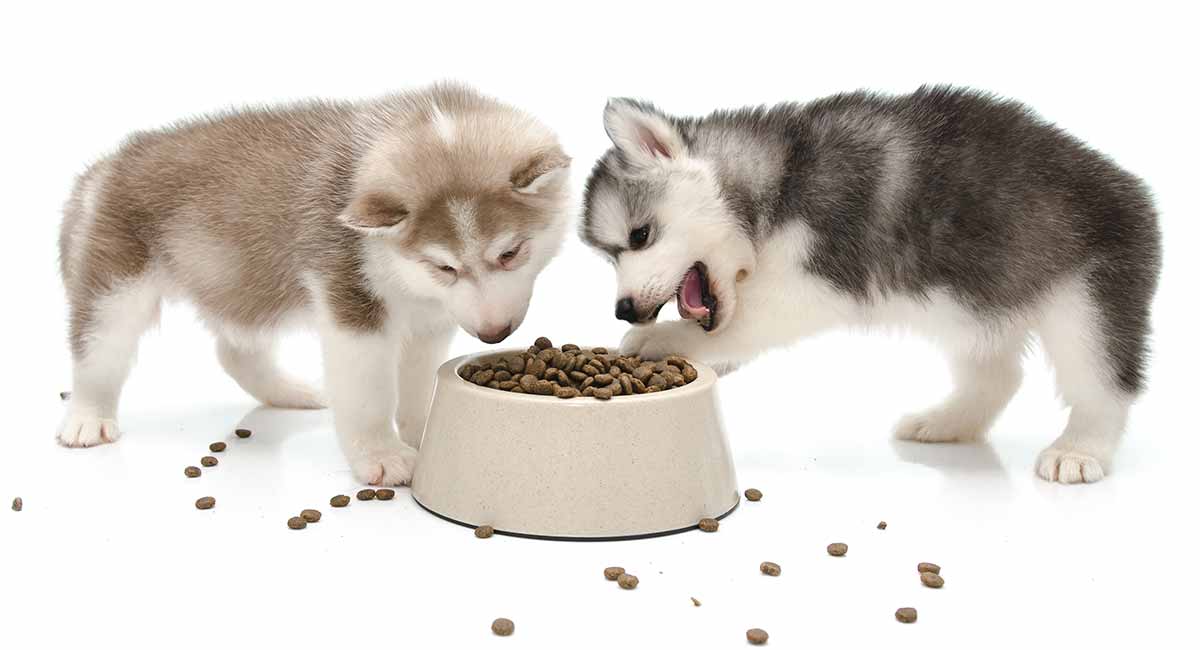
375 213
641 132
544 170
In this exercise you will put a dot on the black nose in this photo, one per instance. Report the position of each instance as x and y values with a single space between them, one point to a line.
625 310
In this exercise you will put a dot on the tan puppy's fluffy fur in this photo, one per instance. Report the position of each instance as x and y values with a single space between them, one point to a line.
383 223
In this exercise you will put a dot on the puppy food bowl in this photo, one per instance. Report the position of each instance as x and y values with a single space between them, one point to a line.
540 466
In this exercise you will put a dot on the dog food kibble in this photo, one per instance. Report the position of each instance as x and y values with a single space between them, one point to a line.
881 525
753 495
340 501
756 636
627 581
709 525
484 532
770 568
613 572
385 494
216 447
932 580
502 627
695 603
204 503
929 567
297 523
191 471
365 495
311 516
837 550
242 433
18 504
208 461
572 371
906 615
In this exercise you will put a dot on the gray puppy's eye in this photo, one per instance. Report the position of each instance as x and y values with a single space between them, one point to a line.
638 237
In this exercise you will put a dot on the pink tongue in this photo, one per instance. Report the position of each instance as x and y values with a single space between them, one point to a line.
691 303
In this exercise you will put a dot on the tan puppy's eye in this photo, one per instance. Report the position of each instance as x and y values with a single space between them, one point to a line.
447 269
506 258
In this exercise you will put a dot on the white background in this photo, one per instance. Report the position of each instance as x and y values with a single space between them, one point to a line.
109 550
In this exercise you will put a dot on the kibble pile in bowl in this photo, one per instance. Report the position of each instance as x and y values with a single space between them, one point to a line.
571 371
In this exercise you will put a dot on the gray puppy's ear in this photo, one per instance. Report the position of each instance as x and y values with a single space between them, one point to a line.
642 132
540 172
375 213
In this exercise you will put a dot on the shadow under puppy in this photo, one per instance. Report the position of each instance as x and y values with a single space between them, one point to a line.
383 223
950 212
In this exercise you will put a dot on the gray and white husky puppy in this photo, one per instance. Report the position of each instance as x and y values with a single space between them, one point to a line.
384 223
951 212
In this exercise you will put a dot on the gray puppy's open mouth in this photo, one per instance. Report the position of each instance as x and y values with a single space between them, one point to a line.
695 298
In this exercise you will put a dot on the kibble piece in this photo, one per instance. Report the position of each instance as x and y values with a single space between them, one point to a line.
695 603
204 503
216 447
906 615
208 461
502 376
638 386
932 580
508 385
502 627
602 393
542 343
482 377
311 516
242 433
613 572
191 471
484 532
565 392
929 567
18 503
385 494
340 501
296 523
626 384
709 525
544 387
569 347
535 367
467 371
365 495
837 550
690 373
770 569
516 364
603 379
881 525
528 383
756 636
493 384
753 494
627 581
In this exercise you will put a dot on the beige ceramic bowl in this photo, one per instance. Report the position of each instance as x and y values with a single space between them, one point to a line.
540 466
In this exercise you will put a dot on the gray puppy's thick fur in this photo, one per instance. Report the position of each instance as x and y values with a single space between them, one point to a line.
944 190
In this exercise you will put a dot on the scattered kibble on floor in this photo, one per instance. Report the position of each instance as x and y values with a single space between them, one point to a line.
311 516
906 615
217 447
191 471
502 627
385 494
208 461
695 603
753 494
929 567
770 569
243 433
484 532
297 523
837 549
932 580
18 504
613 572
756 636
205 503
627 581
881 525
340 501
709 525
365 495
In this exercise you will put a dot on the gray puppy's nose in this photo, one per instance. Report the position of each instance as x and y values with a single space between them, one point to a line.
625 310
